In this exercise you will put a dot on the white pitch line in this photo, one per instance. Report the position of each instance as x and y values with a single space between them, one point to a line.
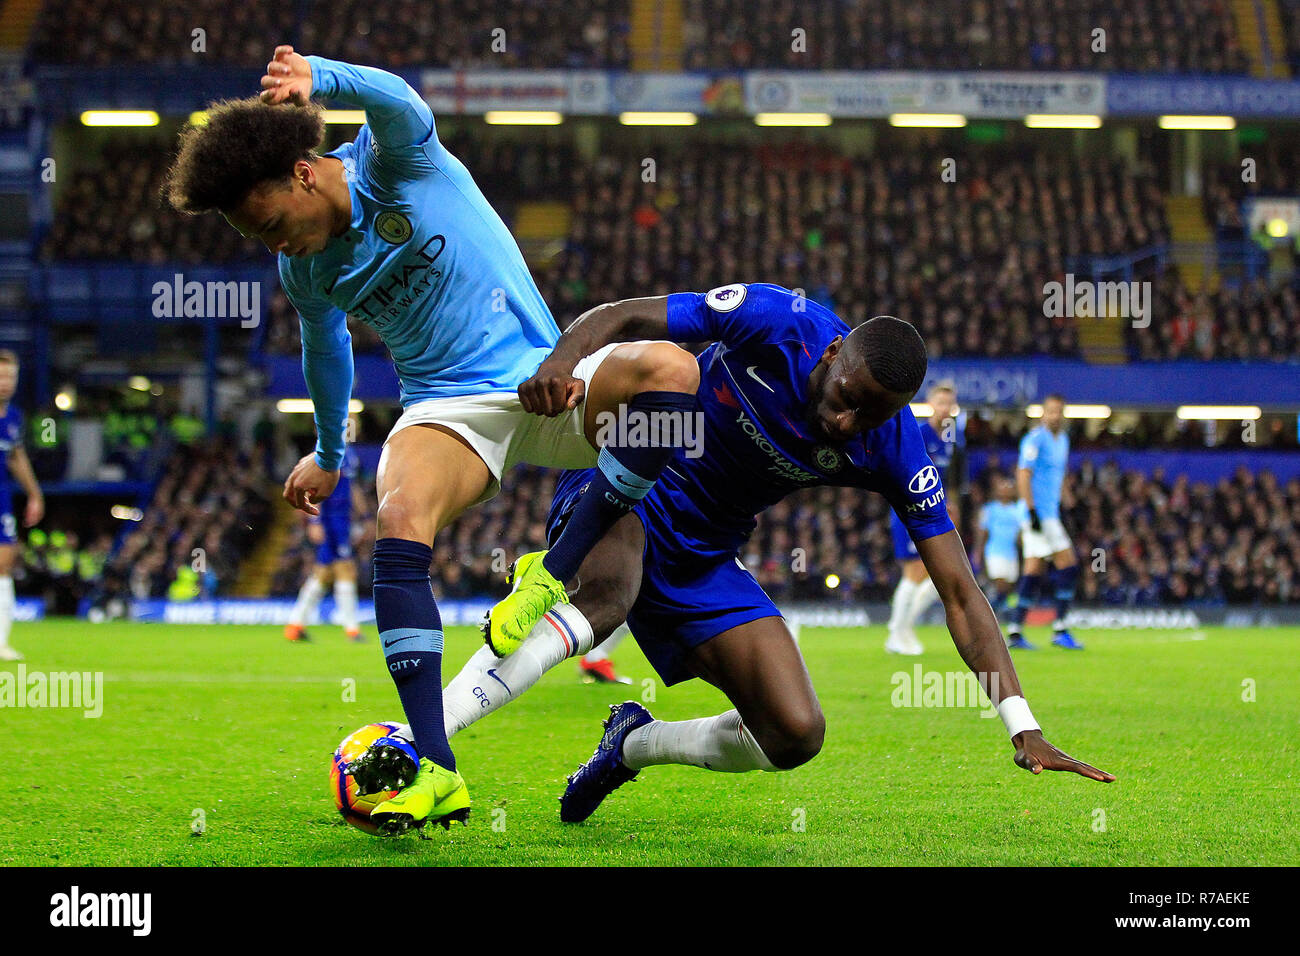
163 678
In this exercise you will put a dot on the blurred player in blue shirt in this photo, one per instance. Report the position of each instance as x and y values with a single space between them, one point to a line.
916 592
1040 473
330 533
19 465
392 229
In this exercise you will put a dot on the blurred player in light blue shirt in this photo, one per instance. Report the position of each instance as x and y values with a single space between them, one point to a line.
1040 474
996 539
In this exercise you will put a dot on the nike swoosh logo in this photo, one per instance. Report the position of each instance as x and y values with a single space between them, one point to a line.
333 282
750 372
398 640
493 674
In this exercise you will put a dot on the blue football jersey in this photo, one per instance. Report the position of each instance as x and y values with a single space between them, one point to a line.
758 445
426 262
11 437
1002 521
1047 457
338 506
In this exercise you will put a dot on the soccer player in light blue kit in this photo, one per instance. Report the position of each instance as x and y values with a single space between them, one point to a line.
791 398
392 230
1040 473
996 540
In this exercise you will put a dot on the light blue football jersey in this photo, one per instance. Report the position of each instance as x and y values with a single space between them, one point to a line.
1047 457
426 262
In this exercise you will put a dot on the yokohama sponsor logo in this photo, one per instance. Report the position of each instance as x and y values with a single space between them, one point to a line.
779 466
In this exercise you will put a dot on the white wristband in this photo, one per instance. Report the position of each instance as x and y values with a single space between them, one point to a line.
1015 714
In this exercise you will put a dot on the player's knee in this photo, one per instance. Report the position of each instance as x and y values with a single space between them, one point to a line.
396 518
604 602
665 367
794 739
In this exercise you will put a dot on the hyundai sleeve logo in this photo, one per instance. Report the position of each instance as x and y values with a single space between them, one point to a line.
924 480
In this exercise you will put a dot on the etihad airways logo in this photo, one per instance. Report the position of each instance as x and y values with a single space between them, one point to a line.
780 465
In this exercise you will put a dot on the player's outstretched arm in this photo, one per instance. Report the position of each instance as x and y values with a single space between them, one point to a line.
396 114
552 389
975 631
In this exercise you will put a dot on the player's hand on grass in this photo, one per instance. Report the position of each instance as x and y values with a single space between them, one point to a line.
308 484
552 390
1035 754
288 78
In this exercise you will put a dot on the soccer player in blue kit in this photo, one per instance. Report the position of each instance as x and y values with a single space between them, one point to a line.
331 533
17 463
915 591
392 230
791 399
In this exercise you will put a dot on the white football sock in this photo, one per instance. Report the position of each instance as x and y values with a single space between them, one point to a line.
487 682
6 608
345 600
719 743
304 609
607 647
923 596
901 604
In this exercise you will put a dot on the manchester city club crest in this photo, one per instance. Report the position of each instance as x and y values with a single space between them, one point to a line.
393 227
828 458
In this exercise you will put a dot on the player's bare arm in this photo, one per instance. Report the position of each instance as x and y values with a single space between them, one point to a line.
20 466
552 389
975 632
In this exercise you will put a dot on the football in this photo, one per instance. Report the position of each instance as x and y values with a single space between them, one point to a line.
355 807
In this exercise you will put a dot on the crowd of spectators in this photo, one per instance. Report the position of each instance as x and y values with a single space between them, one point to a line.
965 259
1164 36
1165 540
208 509
399 34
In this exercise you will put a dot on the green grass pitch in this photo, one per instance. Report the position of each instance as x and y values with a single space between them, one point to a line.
237 723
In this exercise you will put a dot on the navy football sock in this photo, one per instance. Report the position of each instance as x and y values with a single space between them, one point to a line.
626 470
1026 591
410 630
1063 581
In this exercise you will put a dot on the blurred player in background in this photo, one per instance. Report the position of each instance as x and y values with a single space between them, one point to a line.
996 543
596 666
331 533
916 592
17 464
1040 473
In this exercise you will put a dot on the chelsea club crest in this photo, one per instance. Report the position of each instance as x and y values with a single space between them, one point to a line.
393 227
827 458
